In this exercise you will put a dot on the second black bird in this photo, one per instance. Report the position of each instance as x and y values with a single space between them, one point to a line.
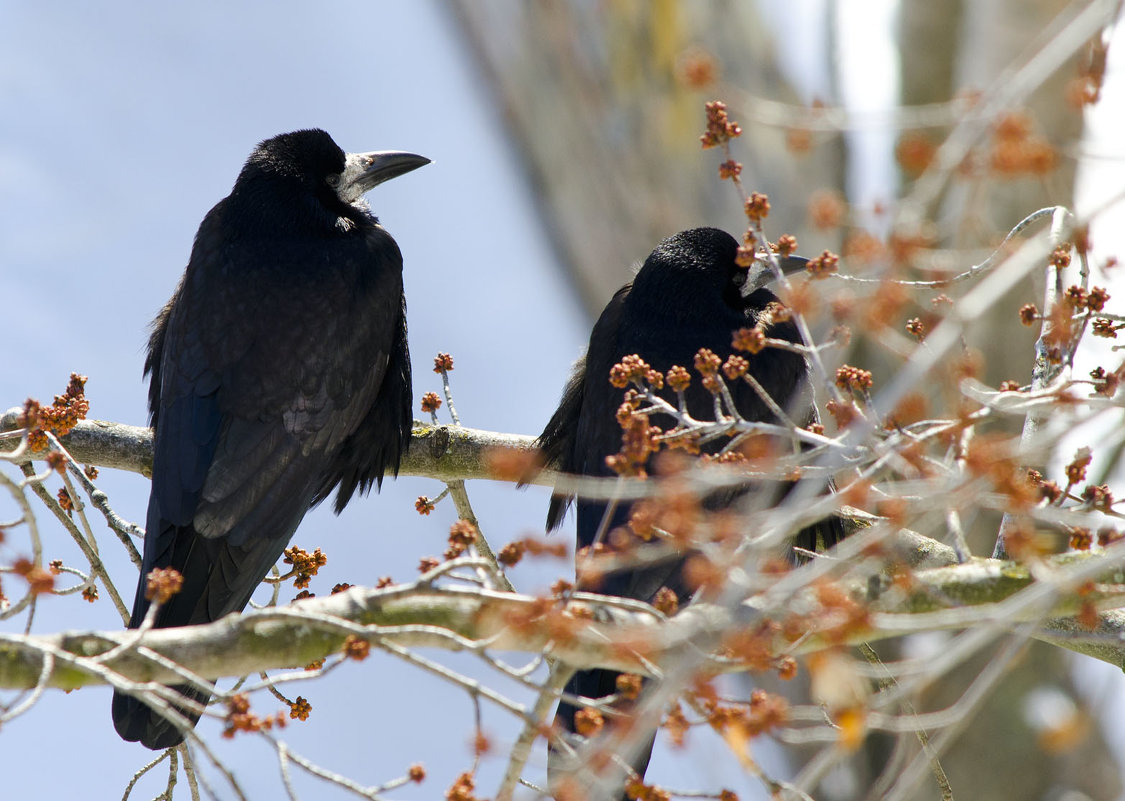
279 373
689 294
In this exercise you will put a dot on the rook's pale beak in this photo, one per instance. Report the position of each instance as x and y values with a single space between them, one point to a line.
364 171
760 273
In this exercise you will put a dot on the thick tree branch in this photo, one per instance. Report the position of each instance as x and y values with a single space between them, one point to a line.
447 453
418 615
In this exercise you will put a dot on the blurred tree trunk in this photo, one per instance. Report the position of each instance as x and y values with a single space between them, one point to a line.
605 101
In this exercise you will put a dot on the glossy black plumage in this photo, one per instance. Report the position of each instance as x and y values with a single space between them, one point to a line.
279 373
688 295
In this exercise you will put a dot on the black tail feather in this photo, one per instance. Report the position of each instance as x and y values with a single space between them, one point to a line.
136 721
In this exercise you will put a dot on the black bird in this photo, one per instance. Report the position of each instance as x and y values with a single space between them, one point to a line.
279 373
689 294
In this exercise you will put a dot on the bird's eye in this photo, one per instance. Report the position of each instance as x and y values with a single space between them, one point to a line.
333 181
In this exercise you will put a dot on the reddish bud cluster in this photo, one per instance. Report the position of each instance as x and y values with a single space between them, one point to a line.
1016 151
60 417
162 583
1098 496
629 686
513 464
514 551
666 602
720 129
914 153
305 564
1025 543
300 708
240 718
757 207
462 534
588 721
827 209
462 789
1093 299
1076 470
916 328
57 462
355 648
1048 490
842 413
1107 383
431 402
1109 536
416 773
638 442
1060 257
910 408
1029 313
706 362
39 580
696 68
678 378
424 505
785 245
798 141
677 725
637 790
823 265
443 363
840 617
990 456
1097 298
548 616
633 369
754 646
853 378
885 304
1081 539
730 169
675 513
751 340
511 554
1075 297
1104 327
735 367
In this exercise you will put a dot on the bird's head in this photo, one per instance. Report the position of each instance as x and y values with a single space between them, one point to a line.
311 160
703 261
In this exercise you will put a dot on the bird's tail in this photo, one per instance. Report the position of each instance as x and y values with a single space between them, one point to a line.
136 721
591 684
